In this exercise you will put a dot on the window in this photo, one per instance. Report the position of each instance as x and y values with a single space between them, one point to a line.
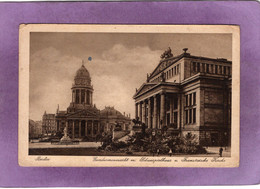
190 97
175 103
175 117
225 70
207 68
216 69
190 108
194 66
82 96
186 113
194 98
175 71
77 96
198 67
211 66
178 69
194 115
229 71
220 69
190 113
203 67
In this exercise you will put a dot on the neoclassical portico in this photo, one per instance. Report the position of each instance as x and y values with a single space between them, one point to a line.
188 95
156 105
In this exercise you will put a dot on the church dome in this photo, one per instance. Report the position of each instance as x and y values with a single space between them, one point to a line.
82 76
82 72
110 111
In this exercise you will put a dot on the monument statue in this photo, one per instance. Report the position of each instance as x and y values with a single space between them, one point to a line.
65 138
167 54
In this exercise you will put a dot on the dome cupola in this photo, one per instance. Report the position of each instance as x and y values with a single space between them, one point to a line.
82 77
82 90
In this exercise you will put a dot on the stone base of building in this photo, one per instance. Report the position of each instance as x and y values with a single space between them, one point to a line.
205 137
210 137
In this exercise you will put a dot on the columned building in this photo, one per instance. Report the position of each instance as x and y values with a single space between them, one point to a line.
82 118
110 118
188 94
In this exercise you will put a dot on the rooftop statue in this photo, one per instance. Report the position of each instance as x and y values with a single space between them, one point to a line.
167 54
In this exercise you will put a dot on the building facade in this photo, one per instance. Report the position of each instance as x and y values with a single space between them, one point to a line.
48 124
110 118
82 118
188 94
35 129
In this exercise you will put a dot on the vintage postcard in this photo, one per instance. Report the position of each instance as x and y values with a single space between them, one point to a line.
129 95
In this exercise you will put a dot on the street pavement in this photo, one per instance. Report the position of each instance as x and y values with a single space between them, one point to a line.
215 150
49 145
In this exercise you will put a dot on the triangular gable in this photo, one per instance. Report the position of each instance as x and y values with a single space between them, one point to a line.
83 113
164 64
145 87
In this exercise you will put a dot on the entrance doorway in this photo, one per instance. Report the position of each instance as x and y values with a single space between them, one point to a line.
214 139
168 119
83 126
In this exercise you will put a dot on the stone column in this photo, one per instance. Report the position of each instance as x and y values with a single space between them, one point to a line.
140 111
136 110
144 112
86 95
149 114
80 128
98 130
181 112
213 69
162 111
73 129
73 96
171 109
86 128
92 128
90 98
154 111
79 96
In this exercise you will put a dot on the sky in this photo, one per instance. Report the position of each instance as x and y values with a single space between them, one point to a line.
120 63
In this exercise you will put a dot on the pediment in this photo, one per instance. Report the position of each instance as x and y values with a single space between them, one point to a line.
164 64
145 87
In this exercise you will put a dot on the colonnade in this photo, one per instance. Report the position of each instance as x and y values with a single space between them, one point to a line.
89 127
79 93
151 111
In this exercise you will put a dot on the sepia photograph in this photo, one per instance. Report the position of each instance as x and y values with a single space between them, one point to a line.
140 95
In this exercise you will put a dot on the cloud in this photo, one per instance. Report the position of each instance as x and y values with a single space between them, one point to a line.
115 74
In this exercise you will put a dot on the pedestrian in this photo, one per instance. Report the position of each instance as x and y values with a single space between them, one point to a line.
170 152
220 151
158 152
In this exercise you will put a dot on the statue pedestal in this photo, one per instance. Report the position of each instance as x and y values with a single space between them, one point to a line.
65 139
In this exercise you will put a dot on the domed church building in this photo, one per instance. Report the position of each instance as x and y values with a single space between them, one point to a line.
111 117
82 118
